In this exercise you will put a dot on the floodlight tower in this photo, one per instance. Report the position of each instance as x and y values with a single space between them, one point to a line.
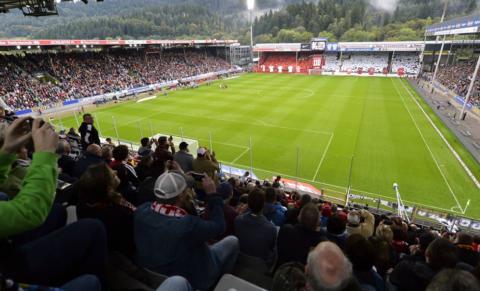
250 7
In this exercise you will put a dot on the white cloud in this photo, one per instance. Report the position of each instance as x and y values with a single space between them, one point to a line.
386 5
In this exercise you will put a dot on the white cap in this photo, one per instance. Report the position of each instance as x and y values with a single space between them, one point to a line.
169 185
201 151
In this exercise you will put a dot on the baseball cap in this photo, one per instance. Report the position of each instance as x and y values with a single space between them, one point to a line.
201 151
169 185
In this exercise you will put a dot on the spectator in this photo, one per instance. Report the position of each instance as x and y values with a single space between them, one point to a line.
336 230
356 225
145 148
107 154
292 214
226 191
465 251
205 163
328 268
92 156
255 233
414 275
170 241
295 241
273 210
242 206
184 158
66 163
449 279
79 248
88 132
99 199
12 185
362 255
125 172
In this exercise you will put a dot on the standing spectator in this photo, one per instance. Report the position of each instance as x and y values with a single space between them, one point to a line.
465 251
295 241
172 242
273 210
256 234
336 230
184 158
125 172
448 280
292 214
88 132
98 199
146 147
415 275
362 255
205 163
356 225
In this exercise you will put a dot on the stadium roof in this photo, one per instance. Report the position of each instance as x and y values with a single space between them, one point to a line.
463 25
84 43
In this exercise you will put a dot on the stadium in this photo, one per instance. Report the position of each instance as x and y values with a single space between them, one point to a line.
213 164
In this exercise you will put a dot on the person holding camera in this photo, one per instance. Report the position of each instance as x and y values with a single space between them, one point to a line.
88 132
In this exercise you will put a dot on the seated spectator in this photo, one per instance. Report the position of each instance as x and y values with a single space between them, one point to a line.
417 251
172 242
125 172
414 275
328 269
273 210
92 156
225 189
465 251
450 279
242 206
398 243
80 247
362 255
336 230
184 158
65 161
255 233
356 225
144 168
107 153
146 147
99 200
327 211
292 214
295 241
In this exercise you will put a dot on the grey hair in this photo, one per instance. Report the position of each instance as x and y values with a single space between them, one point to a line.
328 260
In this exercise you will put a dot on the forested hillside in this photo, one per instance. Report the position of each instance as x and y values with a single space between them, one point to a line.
276 20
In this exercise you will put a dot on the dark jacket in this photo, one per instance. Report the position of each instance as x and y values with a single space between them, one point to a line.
67 164
177 246
295 242
118 221
84 162
257 236
89 135
467 255
275 213
412 275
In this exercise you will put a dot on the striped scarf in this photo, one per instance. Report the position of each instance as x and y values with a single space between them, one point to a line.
168 210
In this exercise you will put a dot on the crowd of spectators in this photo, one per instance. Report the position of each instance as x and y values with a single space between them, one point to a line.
167 211
75 75
457 79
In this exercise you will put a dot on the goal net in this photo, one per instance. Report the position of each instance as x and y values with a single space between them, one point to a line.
315 71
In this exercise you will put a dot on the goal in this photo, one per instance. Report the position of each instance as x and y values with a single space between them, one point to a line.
315 71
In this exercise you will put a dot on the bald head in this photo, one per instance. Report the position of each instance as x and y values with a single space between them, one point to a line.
94 149
327 268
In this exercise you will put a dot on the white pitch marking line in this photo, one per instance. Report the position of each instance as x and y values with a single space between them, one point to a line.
323 157
428 147
241 155
457 156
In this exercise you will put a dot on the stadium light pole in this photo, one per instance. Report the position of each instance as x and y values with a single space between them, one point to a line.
250 7
470 88
439 59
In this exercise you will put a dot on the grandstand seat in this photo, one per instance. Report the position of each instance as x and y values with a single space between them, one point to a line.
231 283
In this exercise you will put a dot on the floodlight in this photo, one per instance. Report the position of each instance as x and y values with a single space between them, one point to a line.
250 4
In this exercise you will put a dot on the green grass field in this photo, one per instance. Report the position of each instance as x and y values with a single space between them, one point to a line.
327 120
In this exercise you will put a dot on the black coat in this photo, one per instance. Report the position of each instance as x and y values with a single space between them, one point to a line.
89 135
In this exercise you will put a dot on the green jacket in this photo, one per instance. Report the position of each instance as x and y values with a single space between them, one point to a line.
31 206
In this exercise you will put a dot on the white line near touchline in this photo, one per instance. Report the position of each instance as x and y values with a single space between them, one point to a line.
457 156
428 148
323 157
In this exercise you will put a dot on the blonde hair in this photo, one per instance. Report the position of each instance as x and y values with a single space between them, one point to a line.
384 232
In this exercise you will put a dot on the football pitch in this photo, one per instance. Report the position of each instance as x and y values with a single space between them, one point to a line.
365 132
